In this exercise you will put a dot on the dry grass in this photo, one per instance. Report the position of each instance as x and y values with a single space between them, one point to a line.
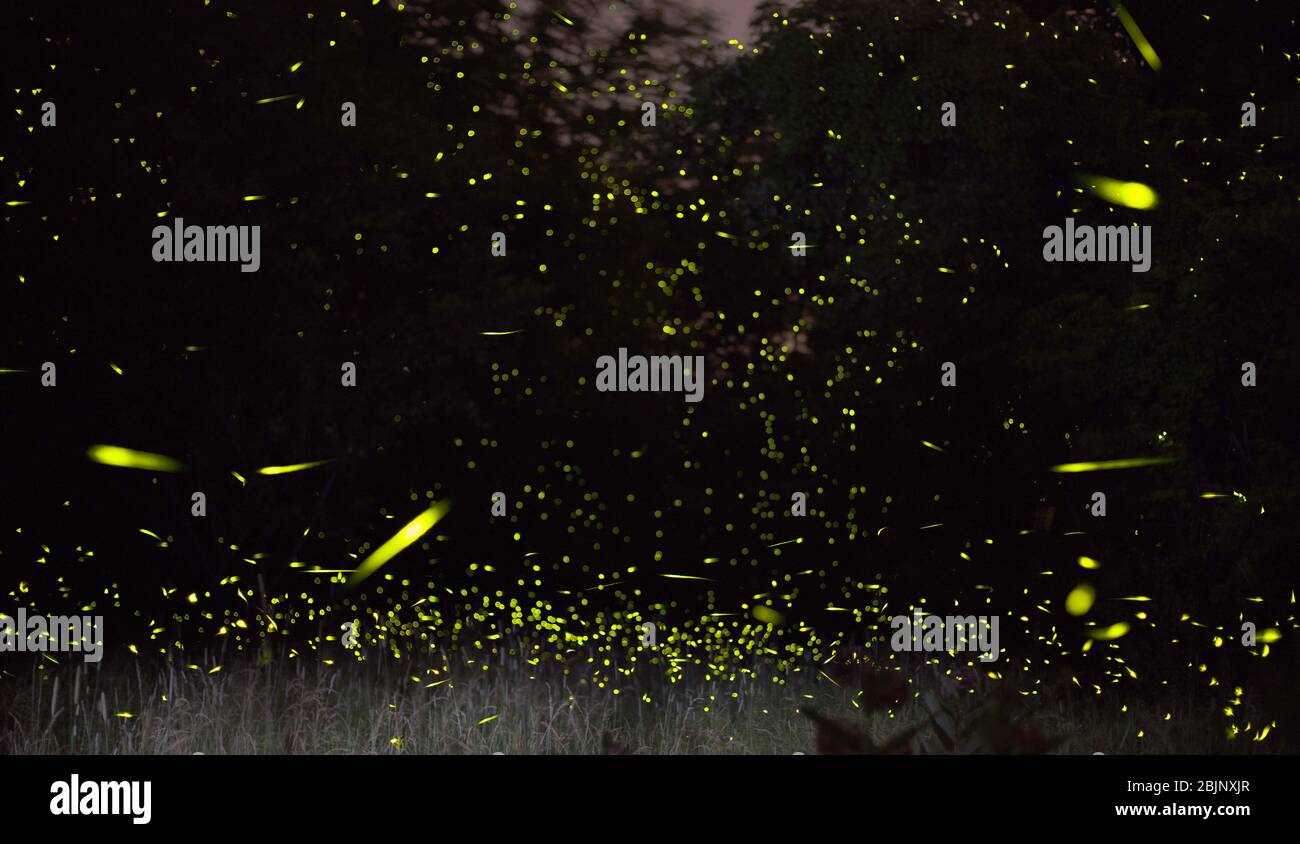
300 708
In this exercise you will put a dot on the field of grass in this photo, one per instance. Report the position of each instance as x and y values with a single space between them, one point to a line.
293 706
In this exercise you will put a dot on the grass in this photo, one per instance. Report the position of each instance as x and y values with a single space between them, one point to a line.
296 707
